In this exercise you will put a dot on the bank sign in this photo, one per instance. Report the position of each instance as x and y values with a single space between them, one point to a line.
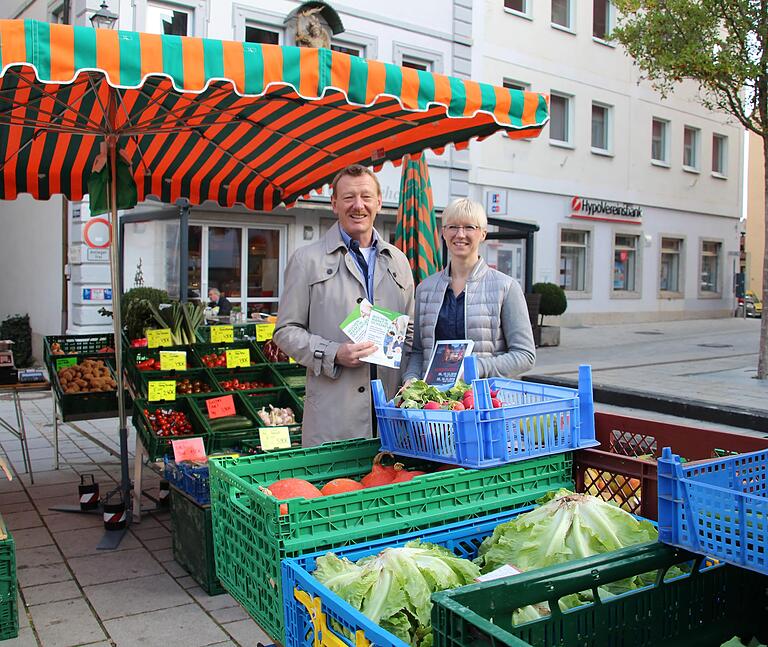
589 209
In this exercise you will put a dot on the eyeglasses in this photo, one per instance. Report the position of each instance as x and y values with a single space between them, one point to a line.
468 229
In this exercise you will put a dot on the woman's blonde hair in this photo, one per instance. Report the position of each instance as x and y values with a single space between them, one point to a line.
466 211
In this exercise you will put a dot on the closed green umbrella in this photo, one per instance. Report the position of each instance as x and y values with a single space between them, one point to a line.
417 235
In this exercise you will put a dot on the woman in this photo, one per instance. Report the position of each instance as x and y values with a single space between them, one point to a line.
469 300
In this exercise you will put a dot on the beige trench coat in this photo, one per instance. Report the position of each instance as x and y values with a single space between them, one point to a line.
322 286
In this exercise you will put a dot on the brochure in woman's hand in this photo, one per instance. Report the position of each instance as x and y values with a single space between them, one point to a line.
385 328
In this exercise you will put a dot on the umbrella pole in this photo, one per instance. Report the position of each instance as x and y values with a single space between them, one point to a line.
112 538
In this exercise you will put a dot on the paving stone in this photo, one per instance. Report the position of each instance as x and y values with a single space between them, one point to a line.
26 638
229 614
43 574
13 496
159 543
31 537
60 490
164 555
8 508
66 623
55 592
247 633
174 568
178 626
111 566
128 597
54 477
186 582
211 602
39 555
20 520
148 532
83 541
62 521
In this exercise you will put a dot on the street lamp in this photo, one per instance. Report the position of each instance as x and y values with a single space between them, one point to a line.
103 18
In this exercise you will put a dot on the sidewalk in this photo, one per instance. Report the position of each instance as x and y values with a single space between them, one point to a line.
71 594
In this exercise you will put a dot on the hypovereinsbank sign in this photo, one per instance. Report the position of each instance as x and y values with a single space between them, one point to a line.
590 209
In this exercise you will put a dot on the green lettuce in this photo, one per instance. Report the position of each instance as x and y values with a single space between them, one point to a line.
394 587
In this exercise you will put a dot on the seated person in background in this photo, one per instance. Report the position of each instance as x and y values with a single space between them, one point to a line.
220 302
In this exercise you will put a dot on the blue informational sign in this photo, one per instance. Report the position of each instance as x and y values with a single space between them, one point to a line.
86 294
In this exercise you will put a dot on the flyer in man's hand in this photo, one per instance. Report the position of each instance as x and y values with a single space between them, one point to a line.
385 328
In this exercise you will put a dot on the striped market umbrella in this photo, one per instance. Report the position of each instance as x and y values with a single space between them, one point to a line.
417 235
209 120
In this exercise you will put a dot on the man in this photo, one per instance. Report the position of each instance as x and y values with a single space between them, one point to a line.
323 283
215 298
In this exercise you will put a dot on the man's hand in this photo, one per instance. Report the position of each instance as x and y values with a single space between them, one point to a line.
349 354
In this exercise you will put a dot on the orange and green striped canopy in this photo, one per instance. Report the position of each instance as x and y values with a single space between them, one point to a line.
417 235
202 119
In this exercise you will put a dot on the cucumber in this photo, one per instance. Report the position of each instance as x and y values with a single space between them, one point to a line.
230 423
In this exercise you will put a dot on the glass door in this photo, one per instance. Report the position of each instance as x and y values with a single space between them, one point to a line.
225 262
507 256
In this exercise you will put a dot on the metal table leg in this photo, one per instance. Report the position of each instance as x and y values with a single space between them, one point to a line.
23 436
138 466
55 431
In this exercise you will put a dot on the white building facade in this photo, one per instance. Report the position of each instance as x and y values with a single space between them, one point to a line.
636 199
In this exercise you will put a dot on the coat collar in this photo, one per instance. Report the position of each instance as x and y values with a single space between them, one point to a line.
334 241
478 272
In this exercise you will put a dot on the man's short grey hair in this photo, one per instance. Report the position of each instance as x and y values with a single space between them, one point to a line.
216 291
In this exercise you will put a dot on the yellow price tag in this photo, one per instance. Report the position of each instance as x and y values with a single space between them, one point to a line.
158 338
265 331
274 438
222 334
291 360
173 360
238 358
161 390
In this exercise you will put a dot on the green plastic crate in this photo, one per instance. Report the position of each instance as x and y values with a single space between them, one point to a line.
278 397
192 532
77 345
157 446
232 438
258 373
134 355
9 612
703 609
251 537
202 374
88 404
293 376
239 332
206 349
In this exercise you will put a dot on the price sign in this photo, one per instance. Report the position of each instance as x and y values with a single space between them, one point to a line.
221 407
161 390
238 357
222 334
158 338
65 361
274 438
173 360
264 331
189 449
291 360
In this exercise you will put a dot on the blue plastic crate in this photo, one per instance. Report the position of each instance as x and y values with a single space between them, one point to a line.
537 420
188 478
302 592
717 508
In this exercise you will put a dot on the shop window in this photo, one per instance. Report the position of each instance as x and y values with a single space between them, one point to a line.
602 19
601 128
720 155
254 34
691 148
562 14
574 255
711 252
168 19
560 109
671 254
660 141
625 263
263 262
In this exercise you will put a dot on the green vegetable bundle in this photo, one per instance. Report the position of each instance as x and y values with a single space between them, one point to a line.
394 587
418 393
182 318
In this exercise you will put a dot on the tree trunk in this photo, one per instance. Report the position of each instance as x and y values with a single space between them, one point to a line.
762 355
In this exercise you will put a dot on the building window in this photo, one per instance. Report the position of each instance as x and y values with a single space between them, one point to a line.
660 141
691 148
562 13
518 6
601 128
560 118
346 49
710 266
602 18
57 14
669 277
169 19
720 155
516 85
255 34
416 63
625 263
574 253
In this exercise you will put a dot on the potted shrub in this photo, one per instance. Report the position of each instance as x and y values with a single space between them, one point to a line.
553 303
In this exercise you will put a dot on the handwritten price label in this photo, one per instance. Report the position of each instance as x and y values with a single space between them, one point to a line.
238 358
158 338
161 390
189 449
221 407
65 361
222 334
173 360
274 438
265 331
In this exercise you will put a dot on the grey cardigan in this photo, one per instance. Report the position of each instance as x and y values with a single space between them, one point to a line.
495 318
